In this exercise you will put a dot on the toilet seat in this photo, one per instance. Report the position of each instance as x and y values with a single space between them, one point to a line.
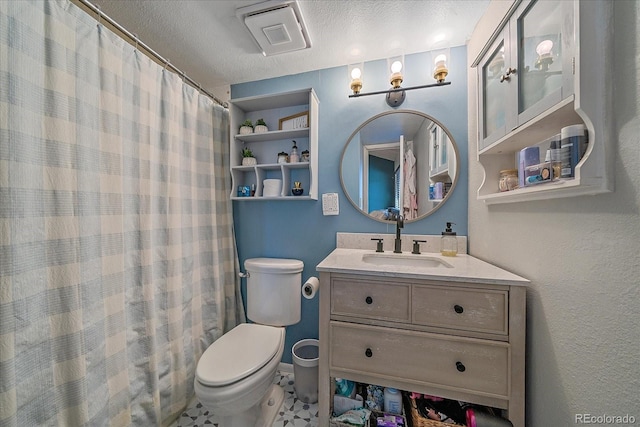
238 353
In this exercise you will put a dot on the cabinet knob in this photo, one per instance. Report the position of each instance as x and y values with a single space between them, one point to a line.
460 367
507 75
458 308
369 353
369 300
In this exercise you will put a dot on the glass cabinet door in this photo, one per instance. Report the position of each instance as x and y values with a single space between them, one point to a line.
544 51
527 69
433 144
494 94
444 144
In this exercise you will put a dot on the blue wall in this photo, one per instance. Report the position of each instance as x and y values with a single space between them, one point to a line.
297 229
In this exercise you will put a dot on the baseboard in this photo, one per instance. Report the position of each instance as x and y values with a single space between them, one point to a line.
285 367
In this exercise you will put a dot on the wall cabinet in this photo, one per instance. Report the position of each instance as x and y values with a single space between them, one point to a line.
546 68
462 341
302 104
438 152
442 161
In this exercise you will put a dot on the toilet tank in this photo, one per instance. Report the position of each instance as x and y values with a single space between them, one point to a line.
274 290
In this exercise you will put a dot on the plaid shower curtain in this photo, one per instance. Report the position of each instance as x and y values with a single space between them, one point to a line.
118 263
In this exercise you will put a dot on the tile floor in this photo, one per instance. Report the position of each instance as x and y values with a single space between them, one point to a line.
293 413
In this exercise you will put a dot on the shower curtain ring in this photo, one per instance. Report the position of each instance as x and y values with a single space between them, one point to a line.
166 63
135 36
99 14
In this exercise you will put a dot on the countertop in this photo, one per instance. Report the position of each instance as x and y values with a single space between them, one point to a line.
464 268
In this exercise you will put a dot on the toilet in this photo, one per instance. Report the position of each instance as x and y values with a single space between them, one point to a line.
234 376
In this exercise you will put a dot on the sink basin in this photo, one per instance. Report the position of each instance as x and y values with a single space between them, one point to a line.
405 260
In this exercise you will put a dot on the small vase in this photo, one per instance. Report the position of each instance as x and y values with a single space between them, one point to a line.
244 130
260 129
249 161
297 191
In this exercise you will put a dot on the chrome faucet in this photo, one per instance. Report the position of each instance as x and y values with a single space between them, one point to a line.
397 248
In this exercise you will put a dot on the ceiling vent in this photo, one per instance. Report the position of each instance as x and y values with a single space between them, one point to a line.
277 26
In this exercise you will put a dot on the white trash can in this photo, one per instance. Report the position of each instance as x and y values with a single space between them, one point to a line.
305 370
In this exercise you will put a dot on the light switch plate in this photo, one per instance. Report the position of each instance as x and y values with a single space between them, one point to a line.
330 205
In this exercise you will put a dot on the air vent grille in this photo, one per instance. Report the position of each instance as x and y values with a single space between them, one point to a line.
276 29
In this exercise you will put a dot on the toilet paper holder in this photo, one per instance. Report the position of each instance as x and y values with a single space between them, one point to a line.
310 287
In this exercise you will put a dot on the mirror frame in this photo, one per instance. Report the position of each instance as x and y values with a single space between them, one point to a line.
454 180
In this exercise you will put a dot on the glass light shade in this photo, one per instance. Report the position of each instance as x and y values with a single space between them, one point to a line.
544 48
396 65
441 69
545 55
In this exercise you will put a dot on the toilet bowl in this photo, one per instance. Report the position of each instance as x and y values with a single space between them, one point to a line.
234 377
235 372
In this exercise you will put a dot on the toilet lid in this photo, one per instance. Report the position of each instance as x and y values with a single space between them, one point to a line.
238 353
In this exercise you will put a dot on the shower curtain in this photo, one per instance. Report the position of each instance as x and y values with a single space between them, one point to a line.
118 263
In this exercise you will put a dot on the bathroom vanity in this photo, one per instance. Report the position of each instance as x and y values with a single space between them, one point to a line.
452 327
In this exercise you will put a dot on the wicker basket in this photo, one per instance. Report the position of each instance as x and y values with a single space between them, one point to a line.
417 420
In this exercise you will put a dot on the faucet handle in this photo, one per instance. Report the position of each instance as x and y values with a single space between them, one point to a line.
379 245
416 246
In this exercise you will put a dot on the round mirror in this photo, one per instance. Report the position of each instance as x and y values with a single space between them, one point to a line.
400 162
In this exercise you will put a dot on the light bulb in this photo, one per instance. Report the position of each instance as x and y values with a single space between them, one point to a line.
356 81
441 61
396 74
440 70
544 48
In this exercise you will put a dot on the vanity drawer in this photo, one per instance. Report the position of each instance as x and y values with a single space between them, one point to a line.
420 357
371 299
480 310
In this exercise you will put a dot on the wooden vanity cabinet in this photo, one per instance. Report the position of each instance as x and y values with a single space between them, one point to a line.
458 340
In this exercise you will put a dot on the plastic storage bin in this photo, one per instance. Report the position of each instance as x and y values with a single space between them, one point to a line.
305 370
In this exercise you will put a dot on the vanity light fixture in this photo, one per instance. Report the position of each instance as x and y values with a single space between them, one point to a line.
355 74
440 71
396 95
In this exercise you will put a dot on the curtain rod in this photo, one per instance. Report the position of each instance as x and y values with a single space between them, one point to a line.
156 55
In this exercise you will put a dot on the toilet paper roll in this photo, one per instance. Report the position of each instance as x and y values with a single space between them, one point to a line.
310 287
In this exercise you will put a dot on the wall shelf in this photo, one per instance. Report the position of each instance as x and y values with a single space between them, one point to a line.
273 135
267 145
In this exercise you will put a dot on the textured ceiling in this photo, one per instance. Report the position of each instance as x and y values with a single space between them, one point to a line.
210 44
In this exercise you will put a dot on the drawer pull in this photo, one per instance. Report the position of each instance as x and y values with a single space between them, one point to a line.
368 352
369 300
458 308
460 367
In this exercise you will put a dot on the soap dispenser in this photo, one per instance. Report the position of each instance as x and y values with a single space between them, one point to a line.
294 157
449 243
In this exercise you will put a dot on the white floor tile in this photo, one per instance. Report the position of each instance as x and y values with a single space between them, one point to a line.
293 413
